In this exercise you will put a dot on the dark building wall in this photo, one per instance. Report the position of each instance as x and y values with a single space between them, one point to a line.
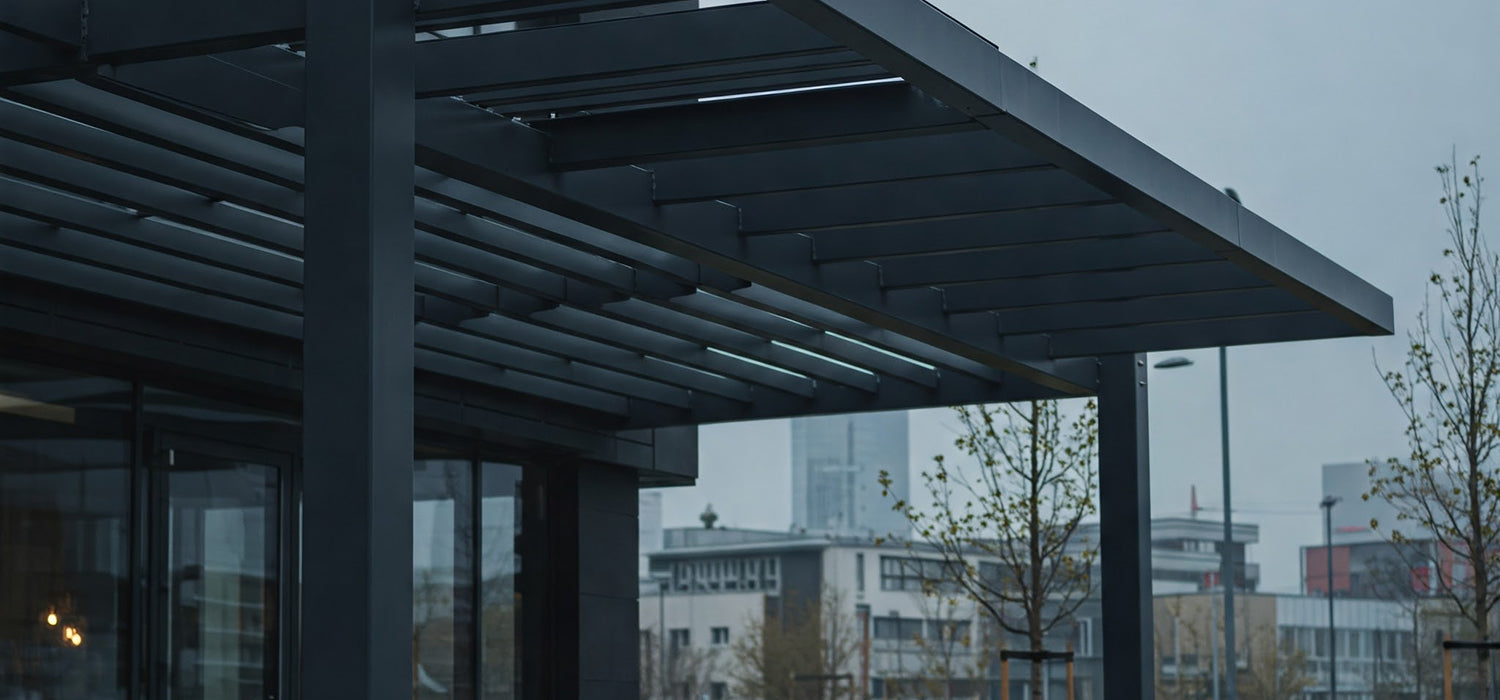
801 579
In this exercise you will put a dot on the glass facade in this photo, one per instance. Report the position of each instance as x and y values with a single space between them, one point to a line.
149 549
65 474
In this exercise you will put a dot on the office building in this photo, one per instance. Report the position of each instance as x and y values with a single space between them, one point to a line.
719 581
836 466
1283 646
1366 564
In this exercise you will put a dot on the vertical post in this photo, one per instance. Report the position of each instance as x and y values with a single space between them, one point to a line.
1228 573
596 607
1125 526
357 350
862 613
1333 669
1447 669
1070 671
1004 678
661 642
1177 652
1213 641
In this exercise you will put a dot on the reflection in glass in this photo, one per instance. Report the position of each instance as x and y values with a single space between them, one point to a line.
500 565
221 578
442 542
64 501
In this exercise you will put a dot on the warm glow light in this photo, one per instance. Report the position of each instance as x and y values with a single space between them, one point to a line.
76 639
51 619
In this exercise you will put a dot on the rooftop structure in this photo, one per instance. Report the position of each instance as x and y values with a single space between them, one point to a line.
538 242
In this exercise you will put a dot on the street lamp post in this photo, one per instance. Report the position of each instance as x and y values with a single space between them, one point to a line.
1227 576
1333 675
662 582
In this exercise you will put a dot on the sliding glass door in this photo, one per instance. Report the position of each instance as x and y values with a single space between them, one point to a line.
218 570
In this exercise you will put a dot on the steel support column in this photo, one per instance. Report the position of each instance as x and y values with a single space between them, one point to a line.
1125 527
358 355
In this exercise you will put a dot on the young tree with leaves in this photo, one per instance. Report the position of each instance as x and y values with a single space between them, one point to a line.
1033 481
1448 489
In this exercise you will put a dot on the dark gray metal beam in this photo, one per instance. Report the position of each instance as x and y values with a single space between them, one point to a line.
890 160
510 160
170 241
642 258
747 125
1122 253
1146 311
132 117
948 61
1163 280
358 349
566 344
77 272
635 49
995 231
133 31
267 94
680 350
56 22
192 279
522 10
61 323
766 324
91 179
1125 527
147 161
424 246
512 357
678 86
952 196
490 236
1243 330
669 321
488 374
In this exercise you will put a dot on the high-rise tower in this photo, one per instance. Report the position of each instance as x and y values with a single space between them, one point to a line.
836 465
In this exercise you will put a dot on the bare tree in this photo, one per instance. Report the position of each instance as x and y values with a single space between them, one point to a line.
1273 672
1448 489
1033 484
689 670
797 651
949 650
1184 635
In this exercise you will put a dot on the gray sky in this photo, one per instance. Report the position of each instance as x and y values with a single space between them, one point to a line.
1327 117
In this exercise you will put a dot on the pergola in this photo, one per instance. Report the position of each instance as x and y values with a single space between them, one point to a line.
610 220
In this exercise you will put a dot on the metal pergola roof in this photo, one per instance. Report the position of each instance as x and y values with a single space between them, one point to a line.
644 213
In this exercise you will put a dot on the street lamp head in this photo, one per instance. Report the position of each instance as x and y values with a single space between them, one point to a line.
1232 194
1173 363
1329 501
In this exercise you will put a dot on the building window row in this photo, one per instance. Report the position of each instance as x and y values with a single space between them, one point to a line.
727 574
912 628
909 573
1352 644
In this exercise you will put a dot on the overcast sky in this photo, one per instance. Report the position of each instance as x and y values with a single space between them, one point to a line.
1328 118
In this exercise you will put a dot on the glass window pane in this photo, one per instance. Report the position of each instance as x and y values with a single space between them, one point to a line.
500 565
442 540
64 503
222 578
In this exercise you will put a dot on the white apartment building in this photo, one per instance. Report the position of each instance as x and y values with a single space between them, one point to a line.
709 584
